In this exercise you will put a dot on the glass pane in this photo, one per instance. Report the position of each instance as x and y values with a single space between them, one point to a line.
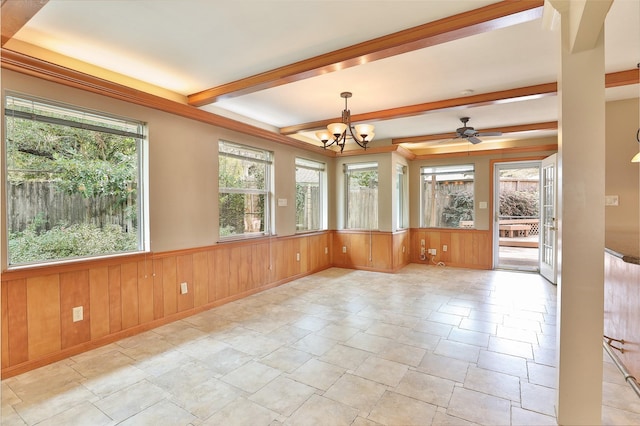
308 198
362 200
70 192
447 199
241 214
241 173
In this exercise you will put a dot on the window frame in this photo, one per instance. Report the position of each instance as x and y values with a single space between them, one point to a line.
401 188
267 192
49 111
444 170
321 168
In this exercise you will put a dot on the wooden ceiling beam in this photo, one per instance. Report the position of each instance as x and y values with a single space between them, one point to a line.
15 14
549 125
500 97
622 78
488 18
614 79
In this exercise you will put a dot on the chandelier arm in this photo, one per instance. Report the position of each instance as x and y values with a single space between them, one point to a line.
355 137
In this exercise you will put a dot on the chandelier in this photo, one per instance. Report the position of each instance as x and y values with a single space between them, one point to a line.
338 133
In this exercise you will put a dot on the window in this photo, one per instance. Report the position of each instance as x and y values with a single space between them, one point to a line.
446 196
73 180
400 191
244 190
362 195
310 187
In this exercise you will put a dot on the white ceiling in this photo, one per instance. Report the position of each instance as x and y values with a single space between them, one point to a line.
187 46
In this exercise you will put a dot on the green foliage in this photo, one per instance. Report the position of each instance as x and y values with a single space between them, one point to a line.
62 242
366 179
90 163
79 161
459 207
519 203
231 214
238 209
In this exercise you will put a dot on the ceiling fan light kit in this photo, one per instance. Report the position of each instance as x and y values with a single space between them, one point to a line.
338 133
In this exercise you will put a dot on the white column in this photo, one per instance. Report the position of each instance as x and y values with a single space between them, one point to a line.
581 92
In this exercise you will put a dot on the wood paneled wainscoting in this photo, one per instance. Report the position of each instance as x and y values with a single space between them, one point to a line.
622 308
466 248
125 295
371 250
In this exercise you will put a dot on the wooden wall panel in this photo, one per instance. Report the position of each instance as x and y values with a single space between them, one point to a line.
259 265
280 259
200 278
129 294
316 251
364 249
129 298
292 252
184 274
74 292
169 285
340 243
222 274
17 319
622 309
239 269
214 279
158 289
303 249
115 297
445 256
358 251
381 249
145 291
43 315
99 301
401 250
465 248
4 323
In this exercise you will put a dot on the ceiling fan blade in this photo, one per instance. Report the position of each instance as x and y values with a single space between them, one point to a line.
489 134
469 132
474 140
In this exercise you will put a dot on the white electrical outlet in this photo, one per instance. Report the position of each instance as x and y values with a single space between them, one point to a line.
444 247
403 249
298 257
422 243
344 249
434 251
183 288
326 250
78 314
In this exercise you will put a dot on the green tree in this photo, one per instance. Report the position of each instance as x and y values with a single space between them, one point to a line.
519 203
459 207
92 164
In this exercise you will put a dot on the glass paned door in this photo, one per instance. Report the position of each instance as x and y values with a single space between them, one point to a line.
549 238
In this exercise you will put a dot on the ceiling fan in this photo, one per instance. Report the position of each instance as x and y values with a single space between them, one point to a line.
471 134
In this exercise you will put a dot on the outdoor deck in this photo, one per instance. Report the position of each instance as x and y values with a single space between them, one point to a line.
519 252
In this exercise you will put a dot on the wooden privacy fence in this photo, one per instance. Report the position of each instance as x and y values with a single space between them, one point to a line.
40 202
363 209
519 185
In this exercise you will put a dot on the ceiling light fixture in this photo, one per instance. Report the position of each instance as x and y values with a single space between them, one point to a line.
338 133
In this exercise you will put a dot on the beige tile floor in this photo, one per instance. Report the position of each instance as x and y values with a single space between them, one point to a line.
425 346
